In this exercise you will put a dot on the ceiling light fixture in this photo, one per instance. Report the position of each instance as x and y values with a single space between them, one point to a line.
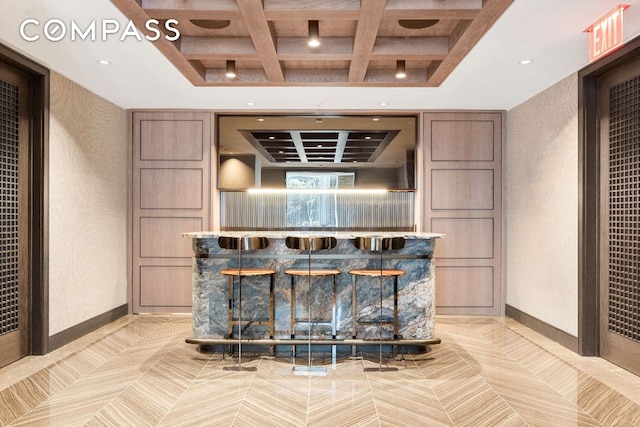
525 61
400 69
231 69
314 34
383 104
417 24
211 24
104 62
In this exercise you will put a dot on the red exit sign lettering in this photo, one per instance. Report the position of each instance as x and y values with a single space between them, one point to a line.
605 35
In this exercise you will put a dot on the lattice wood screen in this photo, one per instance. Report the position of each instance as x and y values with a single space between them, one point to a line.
8 207
624 209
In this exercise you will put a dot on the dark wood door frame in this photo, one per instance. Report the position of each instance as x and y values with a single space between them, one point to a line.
39 197
589 194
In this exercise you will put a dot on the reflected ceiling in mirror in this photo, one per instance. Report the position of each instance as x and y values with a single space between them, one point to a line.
256 151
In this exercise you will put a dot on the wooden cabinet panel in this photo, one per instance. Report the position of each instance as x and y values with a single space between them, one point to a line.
163 286
465 287
462 140
162 237
462 198
465 238
172 139
462 189
171 172
179 188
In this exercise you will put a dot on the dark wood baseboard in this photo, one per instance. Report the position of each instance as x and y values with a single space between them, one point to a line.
545 329
81 329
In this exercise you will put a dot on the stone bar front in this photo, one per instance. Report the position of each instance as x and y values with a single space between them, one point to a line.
416 300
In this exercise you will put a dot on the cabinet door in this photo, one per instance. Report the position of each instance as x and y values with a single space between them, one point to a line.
171 195
462 186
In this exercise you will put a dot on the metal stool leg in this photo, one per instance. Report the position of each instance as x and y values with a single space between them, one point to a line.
293 318
354 310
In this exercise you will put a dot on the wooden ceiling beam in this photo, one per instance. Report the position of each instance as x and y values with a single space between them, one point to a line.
263 38
432 9
193 71
403 47
490 13
445 15
371 13
431 4
280 10
244 77
188 14
194 5
288 46
212 47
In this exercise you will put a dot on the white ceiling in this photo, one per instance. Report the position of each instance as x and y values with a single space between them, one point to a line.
550 32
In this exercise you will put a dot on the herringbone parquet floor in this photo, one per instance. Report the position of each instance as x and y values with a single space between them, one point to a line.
488 371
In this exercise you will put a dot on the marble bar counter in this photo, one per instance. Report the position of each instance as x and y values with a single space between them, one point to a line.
331 321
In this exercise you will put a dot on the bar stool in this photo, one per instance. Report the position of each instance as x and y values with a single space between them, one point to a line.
246 244
378 244
311 244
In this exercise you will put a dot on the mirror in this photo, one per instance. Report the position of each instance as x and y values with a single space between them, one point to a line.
356 151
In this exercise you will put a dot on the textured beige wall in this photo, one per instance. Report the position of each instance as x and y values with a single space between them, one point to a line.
87 205
541 206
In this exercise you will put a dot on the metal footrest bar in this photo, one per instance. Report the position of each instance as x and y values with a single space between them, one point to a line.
297 341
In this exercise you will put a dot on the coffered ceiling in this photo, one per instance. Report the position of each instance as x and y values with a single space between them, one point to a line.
320 146
362 42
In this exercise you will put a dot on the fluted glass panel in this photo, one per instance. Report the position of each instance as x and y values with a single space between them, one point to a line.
317 211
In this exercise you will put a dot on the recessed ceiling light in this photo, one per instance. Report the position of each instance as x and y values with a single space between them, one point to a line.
319 146
376 119
525 61
367 137
383 104
104 62
260 119
272 137
250 103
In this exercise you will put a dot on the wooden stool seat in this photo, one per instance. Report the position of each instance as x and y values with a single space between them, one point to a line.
377 273
302 272
247 271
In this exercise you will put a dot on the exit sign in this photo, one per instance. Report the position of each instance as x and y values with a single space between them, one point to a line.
605 35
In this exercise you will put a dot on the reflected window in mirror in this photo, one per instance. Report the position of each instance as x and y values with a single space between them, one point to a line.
315 209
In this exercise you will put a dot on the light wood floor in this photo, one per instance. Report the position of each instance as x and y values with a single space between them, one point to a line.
488 371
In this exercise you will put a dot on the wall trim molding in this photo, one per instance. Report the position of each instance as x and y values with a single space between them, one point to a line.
88 326
561 337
